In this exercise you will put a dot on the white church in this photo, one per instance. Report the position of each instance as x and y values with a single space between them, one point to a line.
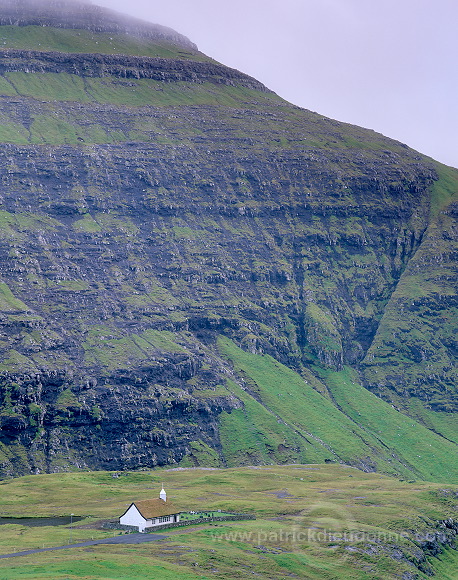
148 513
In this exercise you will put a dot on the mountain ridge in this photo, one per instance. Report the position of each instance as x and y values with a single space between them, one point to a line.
177 250
86 15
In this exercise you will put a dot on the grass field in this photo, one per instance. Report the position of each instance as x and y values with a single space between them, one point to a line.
85 41
353 423
313 521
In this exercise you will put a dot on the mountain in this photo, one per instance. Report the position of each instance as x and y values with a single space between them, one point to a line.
196 272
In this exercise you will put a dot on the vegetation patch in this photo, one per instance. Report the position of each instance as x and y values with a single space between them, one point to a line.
298 509
85 41
9 302
359 425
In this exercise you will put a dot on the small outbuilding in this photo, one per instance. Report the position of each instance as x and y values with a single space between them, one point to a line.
149 513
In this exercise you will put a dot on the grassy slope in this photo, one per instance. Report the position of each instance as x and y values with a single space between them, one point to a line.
56 122
286 500
446 565
45 38
365 425
416 338
54 126
431 455
136 92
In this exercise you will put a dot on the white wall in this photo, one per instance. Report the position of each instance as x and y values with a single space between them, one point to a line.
157 521
133 517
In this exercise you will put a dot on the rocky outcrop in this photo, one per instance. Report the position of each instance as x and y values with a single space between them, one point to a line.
123 67
61 420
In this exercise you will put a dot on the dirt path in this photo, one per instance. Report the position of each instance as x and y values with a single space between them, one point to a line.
125 539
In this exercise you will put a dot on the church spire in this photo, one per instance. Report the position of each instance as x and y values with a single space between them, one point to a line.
163 495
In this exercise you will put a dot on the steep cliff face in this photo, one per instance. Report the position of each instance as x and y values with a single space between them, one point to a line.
414 353
153 202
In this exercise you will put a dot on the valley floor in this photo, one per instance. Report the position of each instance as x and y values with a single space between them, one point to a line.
312 522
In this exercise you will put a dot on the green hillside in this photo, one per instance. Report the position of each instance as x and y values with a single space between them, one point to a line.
315 522
196 272
76 40
352 425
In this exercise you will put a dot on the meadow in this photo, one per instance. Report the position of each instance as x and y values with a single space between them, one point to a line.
312 521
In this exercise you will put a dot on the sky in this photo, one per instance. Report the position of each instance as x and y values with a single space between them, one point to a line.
387 65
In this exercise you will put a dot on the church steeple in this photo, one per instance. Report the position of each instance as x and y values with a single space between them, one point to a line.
163 495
